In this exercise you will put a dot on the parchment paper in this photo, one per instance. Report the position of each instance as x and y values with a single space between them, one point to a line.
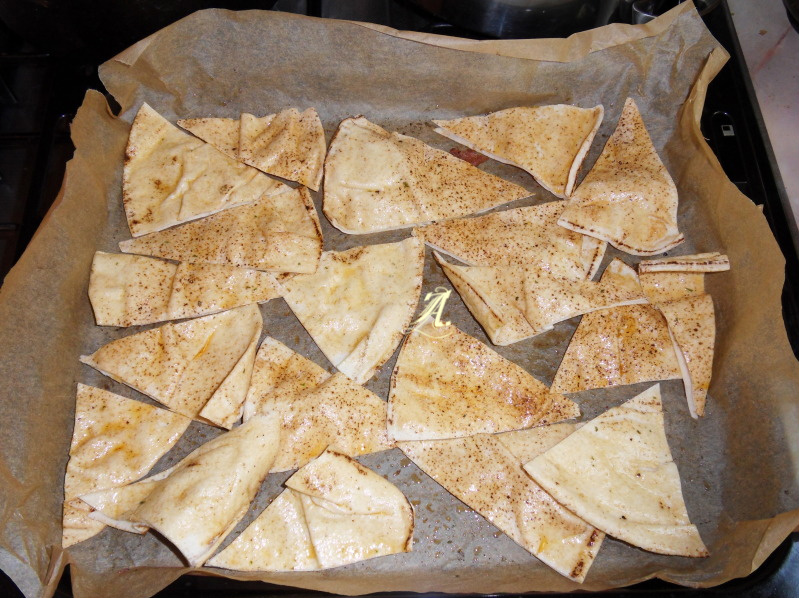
739 464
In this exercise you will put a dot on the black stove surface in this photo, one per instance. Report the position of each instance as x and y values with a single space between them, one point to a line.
40 92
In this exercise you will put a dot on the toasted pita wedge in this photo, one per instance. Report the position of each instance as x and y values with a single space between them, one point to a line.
617 473
527 444
617 346
279 233
485 475
333 512
289 144
338 413
552 299
628 198
376 181
452 385
171 177
222 133
279 372
660 287
205 495
549 142
130 290
188 364
528 236
692 326
77 524
359 303
699 262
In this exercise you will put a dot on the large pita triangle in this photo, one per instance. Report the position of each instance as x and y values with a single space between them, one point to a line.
280 233
447 384
131 290
189 364
170 177
528 236
628 198
358 304
338 413
485 475
333 512
617 473
376 181
549 142
115 441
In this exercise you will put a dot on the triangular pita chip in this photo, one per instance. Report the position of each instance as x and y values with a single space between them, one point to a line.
527 444
485 475
617 473
289 144
131 290
617 346
660 287
359 303
222 133
628 198
549 142
449 384
115 441
170 177
185 365
279 372
528 236
333 512
376 181
699 262
279 233
552 299
204 496
338 413
692 326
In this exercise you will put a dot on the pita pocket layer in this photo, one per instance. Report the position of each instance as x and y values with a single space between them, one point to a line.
190 365
358 304
334 512
279 372
170 177
131 290
279 233
338 413
692 326
485 475
528 236
204 496
617 473
115 441
552 299
449 384
628 198
549 142
376 181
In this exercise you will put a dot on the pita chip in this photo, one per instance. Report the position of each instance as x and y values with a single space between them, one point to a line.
552 299
222 133
115 441
278 373
549 142
131 290
628 198
334 512
338 413
527 444
289 144
617 473
528 236
699 262
187 365
279 233
358 304
692 327
660 287
449 384
376 181
170 177
480 471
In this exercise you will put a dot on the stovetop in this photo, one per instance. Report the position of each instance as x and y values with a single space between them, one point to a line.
41 91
